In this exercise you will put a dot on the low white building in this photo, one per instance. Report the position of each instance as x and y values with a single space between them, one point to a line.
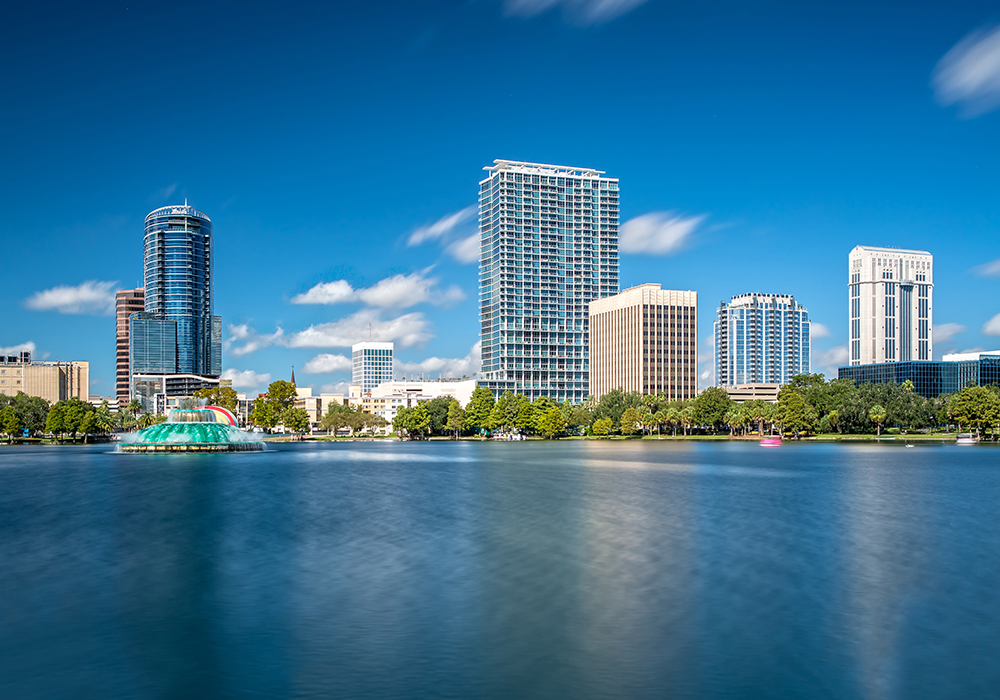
388 397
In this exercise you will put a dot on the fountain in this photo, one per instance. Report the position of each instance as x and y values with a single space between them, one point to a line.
205 429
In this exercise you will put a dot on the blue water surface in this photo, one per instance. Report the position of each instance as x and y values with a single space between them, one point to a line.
519 570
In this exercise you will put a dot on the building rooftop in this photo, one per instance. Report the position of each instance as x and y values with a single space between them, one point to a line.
879 249
542 168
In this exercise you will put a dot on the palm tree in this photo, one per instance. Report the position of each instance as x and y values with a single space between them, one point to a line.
134 407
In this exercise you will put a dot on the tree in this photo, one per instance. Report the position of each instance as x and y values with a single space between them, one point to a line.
687 418
630 421
977 407
794 412
438 410
602 427
221 396
552 423
10 422
711 406
134 407
336 418
269 407
477 413
88 424
295 419
877 415
54 424
456 418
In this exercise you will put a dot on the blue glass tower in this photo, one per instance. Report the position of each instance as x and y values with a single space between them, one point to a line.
177 333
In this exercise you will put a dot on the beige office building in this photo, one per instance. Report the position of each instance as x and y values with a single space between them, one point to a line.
645 339
53 381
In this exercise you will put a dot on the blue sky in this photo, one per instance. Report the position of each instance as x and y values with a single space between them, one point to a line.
337 148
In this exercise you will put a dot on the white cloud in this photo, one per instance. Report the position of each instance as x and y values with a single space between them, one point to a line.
992 327
443 227
943 332
166 192
828 361
341 388
445 367
466 250
990 269
969 74
580 11
658 233
818 330
327 363
13 350
92 297
407 330
706 358
396 292
247 378
252 341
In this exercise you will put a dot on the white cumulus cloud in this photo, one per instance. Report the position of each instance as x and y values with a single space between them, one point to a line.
828 361
247 378
252 341
407 330
587 12
465 250
327 363
396 292
658 233
943 332
443 227
336 388
92 297
818 330
13 350
444 367
992 327
969 74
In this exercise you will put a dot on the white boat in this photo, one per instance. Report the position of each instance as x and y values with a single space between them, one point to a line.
967 439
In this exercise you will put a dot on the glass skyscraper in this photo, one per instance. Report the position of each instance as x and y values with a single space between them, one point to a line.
761 339
549 246
177 332
371 364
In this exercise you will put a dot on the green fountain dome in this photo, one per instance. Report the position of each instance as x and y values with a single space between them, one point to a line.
208 429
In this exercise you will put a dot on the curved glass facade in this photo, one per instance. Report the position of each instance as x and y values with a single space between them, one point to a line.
178 279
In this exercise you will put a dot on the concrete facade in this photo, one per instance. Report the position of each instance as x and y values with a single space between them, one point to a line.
52 381
127 302
645 339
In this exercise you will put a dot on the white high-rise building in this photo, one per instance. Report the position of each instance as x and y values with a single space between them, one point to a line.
890 303
372 364
549 246
761 339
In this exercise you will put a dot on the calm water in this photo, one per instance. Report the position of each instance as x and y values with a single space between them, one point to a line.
566 570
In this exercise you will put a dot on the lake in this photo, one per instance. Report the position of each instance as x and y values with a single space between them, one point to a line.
502 570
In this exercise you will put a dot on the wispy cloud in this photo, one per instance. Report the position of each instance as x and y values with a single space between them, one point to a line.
457 233
944 332
445 367
406 330
327 363
90 298
396 292
247 378
250 339
13 350
164 193
706 358
336 388
990 269
818 330
992 327
658 233
443 227
828 361
586 12
969 74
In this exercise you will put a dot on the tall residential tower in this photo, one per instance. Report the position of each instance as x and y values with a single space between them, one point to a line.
127 302
890 302
549 246
761 339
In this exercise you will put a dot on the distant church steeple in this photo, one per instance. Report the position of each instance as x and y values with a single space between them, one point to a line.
293 375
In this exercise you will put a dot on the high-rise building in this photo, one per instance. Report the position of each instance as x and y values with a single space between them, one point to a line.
761 338
645 339
52 381
127 302
372 364
548 247
177 333
890 302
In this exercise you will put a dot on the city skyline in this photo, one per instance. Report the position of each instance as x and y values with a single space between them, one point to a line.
747 140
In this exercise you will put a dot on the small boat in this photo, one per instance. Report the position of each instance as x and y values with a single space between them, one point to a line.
966 439
770 442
